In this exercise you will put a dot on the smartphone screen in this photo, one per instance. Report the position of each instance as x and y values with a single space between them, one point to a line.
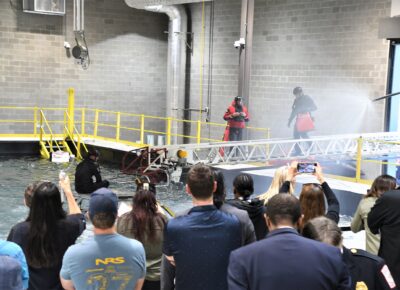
306 167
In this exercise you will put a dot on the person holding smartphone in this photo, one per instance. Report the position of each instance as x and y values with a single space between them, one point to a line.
236 115
312 195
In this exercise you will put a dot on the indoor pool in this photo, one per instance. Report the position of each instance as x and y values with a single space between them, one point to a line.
18 172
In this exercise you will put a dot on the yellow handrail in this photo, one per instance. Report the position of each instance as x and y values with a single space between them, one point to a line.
43 121
129 127
71 136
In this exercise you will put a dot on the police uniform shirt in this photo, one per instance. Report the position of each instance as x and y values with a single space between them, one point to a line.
367 271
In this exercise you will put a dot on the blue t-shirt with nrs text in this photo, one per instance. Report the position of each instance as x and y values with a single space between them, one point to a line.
105 262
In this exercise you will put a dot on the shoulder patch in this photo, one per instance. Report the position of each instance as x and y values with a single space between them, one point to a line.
362 253
388 277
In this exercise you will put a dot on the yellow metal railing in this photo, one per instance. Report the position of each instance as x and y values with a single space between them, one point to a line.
132 128
69 135
46 143
114 126
360 160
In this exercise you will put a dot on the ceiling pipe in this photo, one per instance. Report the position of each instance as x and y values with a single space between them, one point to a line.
176 67
176 74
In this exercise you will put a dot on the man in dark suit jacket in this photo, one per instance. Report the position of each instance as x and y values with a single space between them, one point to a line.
384 217
286 260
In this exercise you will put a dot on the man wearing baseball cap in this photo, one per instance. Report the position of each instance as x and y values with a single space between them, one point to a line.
108 260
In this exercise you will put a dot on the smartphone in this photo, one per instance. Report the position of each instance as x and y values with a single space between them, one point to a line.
305 167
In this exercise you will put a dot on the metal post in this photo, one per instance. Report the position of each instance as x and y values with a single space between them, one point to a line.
359 158
71 105
142 129
35 110
198 132
169 121
83 122
118 125
96 120
245 52
41 126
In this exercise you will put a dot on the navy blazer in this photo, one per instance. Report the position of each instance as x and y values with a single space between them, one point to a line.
285 260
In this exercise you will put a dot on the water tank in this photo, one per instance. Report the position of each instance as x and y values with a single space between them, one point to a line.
50 7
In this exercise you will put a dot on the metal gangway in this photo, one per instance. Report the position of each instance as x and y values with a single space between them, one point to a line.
336 147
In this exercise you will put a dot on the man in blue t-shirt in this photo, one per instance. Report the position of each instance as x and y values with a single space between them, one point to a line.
108 260
199 243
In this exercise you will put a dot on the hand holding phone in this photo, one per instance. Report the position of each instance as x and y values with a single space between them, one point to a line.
306 167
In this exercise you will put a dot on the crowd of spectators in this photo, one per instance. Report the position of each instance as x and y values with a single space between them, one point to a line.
274 241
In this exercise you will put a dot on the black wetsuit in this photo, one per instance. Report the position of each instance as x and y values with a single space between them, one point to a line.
88 178
301 105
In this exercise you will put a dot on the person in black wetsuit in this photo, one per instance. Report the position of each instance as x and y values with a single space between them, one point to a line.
87 174
302 107
243 188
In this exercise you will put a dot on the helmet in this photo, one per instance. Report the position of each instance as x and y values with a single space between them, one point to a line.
238 99
297 90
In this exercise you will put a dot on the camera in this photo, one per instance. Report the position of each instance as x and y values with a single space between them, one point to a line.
305 167
239 43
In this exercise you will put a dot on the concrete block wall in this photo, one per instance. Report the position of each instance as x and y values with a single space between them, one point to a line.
127 47
330 48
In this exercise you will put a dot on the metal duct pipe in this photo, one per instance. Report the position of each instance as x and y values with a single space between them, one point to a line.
176 74
79 15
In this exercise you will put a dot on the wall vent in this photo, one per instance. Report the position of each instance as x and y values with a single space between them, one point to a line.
49 7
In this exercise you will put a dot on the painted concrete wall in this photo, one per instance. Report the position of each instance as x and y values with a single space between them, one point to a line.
127 47
330 48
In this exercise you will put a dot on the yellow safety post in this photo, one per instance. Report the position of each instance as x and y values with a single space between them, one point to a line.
96 120
65 133
169 126
118 125
142 129
359 158
83 122
198 132
35 110
71 105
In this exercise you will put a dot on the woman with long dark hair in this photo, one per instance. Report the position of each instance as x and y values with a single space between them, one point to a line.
47 233
380 185
146 224
243 188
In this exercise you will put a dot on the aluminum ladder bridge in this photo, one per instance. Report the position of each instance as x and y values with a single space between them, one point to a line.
336 147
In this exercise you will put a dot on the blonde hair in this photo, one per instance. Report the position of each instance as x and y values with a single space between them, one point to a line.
279 178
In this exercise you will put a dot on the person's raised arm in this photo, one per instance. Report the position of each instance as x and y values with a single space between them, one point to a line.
65 185
292 172
333 203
